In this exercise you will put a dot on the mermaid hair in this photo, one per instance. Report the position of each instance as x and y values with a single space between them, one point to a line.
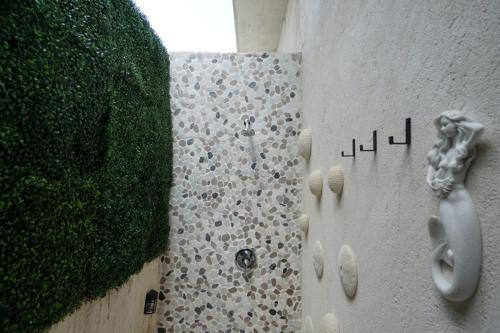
465 154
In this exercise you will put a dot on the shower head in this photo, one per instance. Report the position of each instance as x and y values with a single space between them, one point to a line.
247 131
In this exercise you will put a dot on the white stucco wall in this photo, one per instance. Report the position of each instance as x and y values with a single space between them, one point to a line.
369 64
292 28
258 24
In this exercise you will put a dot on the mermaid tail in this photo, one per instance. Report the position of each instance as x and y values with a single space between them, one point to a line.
456 248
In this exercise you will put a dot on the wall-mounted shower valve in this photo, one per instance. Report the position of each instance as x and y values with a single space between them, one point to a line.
246 260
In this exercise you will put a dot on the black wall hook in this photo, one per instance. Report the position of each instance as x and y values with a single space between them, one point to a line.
374 149
353 150
407 135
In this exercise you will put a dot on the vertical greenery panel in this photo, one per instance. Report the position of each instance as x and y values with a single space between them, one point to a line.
85 149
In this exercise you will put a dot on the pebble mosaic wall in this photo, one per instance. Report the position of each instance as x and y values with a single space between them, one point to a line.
232 191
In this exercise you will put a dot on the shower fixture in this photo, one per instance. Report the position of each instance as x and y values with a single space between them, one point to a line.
246 260
247 131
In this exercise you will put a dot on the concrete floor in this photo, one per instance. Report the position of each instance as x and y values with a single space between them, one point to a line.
121 310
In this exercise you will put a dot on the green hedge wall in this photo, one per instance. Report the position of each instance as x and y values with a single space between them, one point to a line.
85 150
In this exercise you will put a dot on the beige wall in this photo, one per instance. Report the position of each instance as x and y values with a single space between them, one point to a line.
121 310
292 28
258 24
366 65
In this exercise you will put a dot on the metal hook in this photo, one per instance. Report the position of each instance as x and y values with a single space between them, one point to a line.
374 149
407 135
353 150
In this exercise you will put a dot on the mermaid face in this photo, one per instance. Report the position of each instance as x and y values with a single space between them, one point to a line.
448 128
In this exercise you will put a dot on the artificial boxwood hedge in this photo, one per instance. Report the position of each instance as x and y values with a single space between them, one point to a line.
85 150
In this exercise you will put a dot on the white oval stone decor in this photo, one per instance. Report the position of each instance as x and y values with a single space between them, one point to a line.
305 143
348 270
308 325
318 259
329 324
336 179
316 183
303 223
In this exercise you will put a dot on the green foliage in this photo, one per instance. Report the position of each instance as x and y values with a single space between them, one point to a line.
85 150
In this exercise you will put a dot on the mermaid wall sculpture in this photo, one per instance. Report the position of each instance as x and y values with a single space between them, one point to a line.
455 234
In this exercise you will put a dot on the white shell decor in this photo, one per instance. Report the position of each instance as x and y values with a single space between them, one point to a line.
318 259
316 183
456 233
348 270
303 223
308 325
305 143
329 324
336 179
